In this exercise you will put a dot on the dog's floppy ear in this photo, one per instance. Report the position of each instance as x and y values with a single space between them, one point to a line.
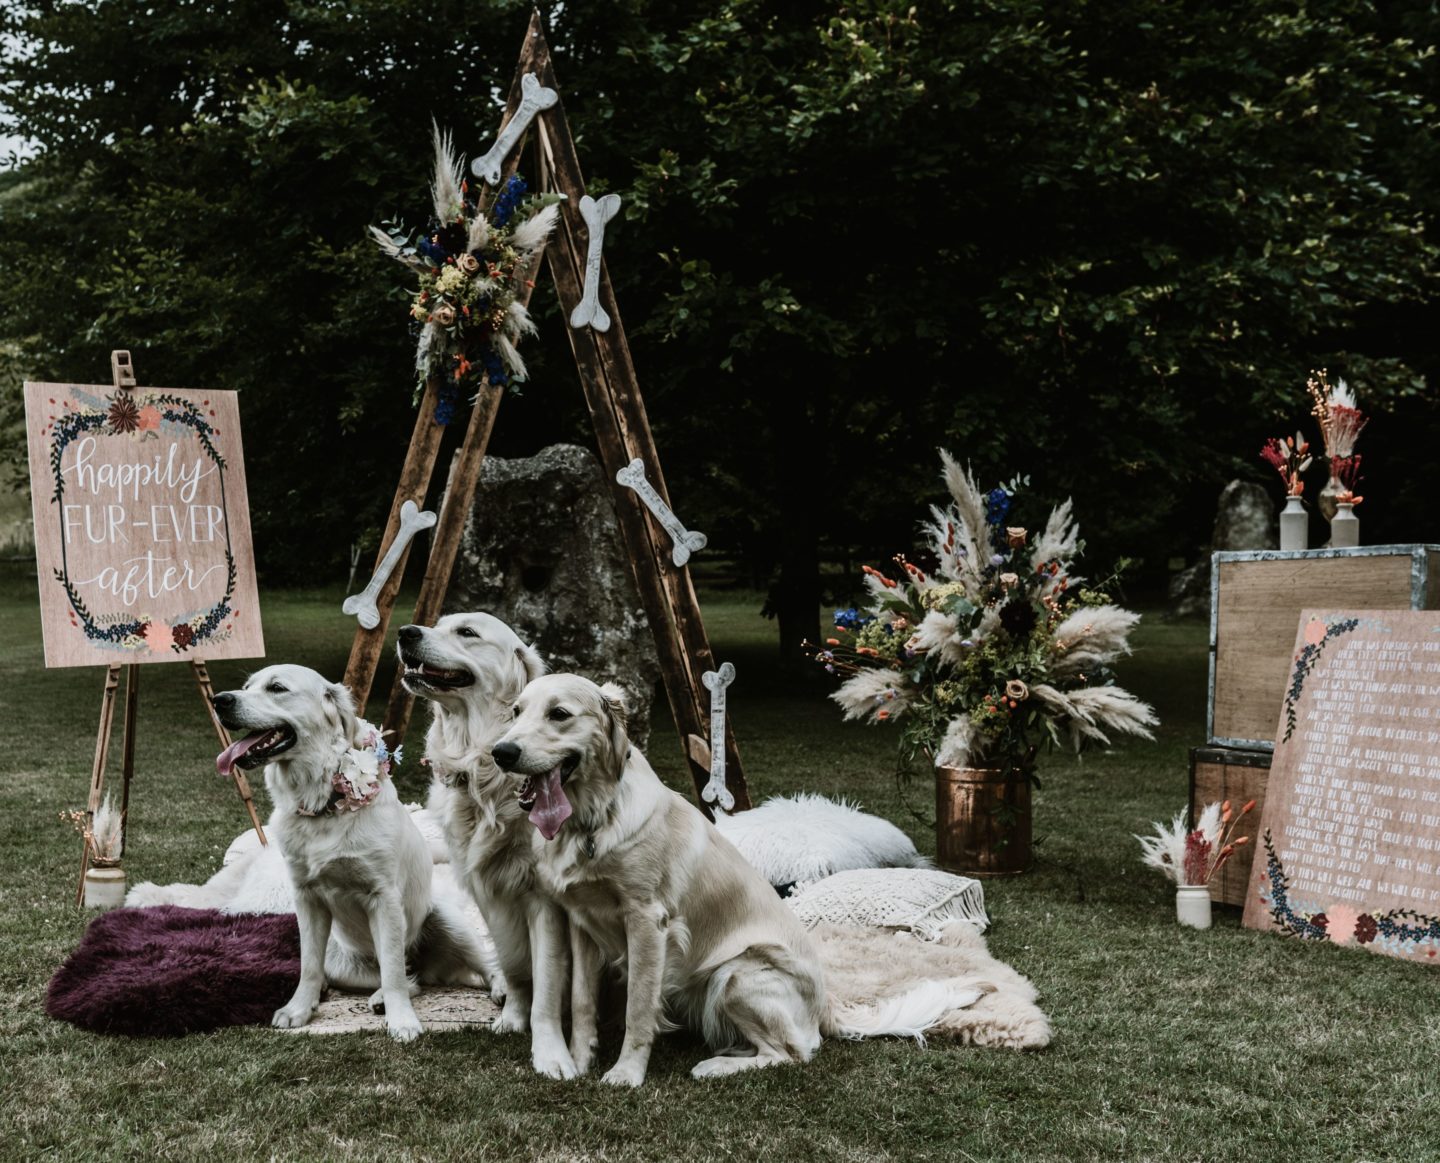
530 662
340 709
617 712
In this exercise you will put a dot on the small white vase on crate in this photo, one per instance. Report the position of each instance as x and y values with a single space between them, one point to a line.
1345 528
1192 905
1294 524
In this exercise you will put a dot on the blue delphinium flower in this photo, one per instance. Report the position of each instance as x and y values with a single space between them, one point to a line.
851 619
507 201
446 401
997 506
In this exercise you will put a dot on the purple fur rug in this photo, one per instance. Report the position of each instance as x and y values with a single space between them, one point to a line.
166 971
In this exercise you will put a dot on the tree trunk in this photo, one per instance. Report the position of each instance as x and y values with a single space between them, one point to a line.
796 595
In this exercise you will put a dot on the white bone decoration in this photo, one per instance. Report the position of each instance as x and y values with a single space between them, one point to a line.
596 214
534 98
715 682
686 541
362 605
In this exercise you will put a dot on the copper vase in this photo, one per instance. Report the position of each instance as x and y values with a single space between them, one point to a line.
982 820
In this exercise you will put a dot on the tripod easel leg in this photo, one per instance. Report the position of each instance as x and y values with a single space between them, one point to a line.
242 785
97 769
127 750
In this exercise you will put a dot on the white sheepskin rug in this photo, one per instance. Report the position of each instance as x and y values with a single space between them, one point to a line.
865 966
253 879
806 837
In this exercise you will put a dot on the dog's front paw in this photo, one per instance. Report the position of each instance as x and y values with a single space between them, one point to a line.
404 1027
554 1062
584 1055
624 1074
292 1017
512 1020
498 989
376 1002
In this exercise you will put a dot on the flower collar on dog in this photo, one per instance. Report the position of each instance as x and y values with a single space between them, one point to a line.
356 782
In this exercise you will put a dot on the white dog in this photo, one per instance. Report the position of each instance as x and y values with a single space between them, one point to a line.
651 885
472 667
358 862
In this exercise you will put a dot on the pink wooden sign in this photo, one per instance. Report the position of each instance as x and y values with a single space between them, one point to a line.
142 526
1349 845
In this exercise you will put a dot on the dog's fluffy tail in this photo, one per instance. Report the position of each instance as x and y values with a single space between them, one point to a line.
907 1015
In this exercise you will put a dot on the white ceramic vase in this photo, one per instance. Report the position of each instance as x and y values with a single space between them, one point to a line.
1294 524
104 888
1192 905
1345 529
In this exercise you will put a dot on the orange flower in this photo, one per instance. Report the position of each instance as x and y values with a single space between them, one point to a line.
882 715
1247 807
832 642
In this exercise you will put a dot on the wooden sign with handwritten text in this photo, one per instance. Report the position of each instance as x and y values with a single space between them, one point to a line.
142 526
1350 835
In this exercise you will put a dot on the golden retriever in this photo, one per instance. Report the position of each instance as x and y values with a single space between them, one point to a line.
649 884
360 867
471 668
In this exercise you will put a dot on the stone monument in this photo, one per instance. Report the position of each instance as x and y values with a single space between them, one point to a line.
542 552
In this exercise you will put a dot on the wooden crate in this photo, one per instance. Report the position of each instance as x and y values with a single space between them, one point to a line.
1227 773
1255 604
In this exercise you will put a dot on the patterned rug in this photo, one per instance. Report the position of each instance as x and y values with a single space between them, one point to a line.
438 1009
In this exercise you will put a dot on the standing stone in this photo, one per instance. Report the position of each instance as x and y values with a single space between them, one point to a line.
1244 519
542 552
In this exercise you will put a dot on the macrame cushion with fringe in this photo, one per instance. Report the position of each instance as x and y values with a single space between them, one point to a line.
921 900
804 837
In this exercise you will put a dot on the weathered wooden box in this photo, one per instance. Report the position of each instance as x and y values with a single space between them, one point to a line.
1255 604
1218 774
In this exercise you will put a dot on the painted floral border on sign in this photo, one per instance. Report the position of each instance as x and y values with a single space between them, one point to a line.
140 415
1318 635
1398 932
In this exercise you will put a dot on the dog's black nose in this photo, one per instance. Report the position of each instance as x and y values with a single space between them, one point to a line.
506 754
411 634
223 701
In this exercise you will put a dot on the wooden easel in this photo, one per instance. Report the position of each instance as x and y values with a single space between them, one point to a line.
123 372
622 433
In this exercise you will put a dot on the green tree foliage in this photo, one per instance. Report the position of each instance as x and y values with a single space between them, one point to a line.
1099 243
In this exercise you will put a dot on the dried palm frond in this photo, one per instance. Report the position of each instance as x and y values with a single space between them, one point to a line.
873 694
956 747
449 173
1165 851
533 233
513 363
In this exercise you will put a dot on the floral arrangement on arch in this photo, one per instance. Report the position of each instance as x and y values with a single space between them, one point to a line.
473 261
998 650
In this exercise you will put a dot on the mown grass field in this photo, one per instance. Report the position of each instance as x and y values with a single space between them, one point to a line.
1169 1043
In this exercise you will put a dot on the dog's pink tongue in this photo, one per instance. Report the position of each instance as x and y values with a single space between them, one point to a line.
226 760
551 807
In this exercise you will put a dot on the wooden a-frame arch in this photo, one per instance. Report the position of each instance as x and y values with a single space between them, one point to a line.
622 434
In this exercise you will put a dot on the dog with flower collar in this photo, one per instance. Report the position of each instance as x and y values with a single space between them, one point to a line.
360 867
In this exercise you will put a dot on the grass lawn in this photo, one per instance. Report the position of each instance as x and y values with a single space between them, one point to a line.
1169 1043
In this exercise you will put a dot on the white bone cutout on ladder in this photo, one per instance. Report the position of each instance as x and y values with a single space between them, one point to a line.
715 792
534 98
362 605
588 311
686 541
